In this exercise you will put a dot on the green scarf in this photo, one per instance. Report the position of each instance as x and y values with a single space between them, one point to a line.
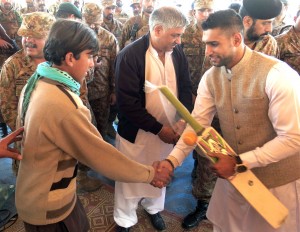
44 70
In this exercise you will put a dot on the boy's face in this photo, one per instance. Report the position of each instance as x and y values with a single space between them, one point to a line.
80 67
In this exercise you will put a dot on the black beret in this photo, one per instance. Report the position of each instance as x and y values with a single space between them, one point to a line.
263 9
69 8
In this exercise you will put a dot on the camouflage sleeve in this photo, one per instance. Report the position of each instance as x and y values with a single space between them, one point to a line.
114 52
90 75
125 33
8 98
268 46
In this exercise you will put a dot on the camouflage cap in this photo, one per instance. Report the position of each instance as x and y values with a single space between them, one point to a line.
108 3
91 12
201 4
36 24
134 2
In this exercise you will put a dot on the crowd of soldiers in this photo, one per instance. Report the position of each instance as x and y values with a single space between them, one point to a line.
20 55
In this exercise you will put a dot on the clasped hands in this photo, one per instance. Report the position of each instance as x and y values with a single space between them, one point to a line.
163 173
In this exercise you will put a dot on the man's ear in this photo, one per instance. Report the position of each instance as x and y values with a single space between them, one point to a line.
158 30
69 59
237 39
247 21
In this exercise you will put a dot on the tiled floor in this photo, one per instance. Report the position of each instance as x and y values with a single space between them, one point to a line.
178 198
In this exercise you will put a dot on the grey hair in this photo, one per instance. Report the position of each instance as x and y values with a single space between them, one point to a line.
168 17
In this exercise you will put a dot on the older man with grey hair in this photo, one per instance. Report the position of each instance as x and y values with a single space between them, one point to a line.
144 132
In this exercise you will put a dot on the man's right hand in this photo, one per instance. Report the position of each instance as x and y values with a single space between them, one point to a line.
163 174
168 135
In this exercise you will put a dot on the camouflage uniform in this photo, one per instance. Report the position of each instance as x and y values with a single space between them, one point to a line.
141 22
14 75
289 48
194 49
27 10
10 21
115 27
19 67
267 45
103 84
121 16
281 28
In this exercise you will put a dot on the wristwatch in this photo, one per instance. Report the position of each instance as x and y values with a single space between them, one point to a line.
239 167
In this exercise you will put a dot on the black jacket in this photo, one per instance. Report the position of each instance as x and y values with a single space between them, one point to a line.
130 79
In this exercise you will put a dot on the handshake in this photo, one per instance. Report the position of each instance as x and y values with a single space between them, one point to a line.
163 173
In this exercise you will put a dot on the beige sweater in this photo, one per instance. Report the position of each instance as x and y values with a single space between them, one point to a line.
57 134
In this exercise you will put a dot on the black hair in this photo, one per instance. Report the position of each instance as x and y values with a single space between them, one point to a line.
243 12
69 36
227 20
235 6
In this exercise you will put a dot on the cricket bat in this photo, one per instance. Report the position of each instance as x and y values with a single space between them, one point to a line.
250 187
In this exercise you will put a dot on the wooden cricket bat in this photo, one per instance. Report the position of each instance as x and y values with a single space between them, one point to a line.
250 187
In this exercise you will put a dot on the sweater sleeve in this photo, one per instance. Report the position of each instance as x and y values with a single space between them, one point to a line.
81 140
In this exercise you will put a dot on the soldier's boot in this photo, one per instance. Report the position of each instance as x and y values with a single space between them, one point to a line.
86 183
193 219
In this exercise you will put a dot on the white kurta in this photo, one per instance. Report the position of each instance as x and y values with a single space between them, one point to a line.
228 210
148 147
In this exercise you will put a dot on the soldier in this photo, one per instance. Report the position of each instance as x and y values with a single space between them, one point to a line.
136 7
68 10
257 29
29 7
114 26
101 91
137 26
10 21
282 22
120 14
194 49
19 67
289 46
109 22
34 6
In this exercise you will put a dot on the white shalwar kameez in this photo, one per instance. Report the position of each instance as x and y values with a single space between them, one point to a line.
228 210
148 147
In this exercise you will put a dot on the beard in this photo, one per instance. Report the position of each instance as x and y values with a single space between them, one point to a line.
109 16
149 9
253 36
221 61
